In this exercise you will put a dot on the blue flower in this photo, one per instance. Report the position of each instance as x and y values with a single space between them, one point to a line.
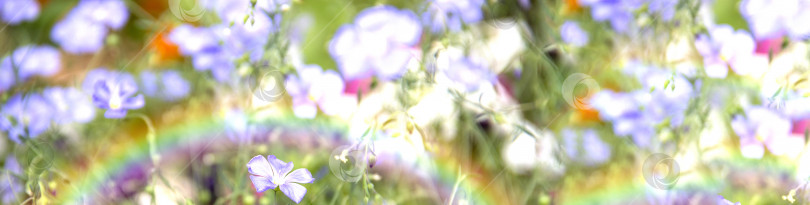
380 42
723 201
33 60
624 111
15 11
169 86
204 47
664 8
94 76
571 33
83 30
191 40
7 78
664 96
70 105
27 116
762 126
79 36
116 94
269 173
314 88
468 72
618 12
234 11
724 48
587 148
450 14
110 13
243 31
10 184
774 18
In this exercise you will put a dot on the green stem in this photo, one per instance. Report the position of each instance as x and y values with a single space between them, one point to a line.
365 187
337 191
150 138
275 197
455 187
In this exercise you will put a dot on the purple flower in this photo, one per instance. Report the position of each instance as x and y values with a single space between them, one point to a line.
269 173
116 93
15 11
236 10
380 42
624 111
6 77
451 14
586 148
468 72
94 76
169 86
175 87
243 31
314 88
33 60
637 113
571 33
664 8
110 13
10 184
774 18
83 30
618 12
204 47
723 201
762 126
724 48
79 36
795 106
191 40
70 105
27 116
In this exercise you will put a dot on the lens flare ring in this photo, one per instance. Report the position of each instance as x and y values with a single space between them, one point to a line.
193 14
348 162
650 170
571 83
268 86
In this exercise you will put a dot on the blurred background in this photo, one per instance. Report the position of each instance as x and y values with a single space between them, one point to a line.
404 102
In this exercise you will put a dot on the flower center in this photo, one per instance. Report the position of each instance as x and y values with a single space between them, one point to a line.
115 102
278 181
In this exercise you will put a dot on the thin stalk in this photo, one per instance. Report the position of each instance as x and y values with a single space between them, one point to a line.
455 187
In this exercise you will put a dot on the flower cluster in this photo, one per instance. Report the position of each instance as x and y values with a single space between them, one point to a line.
315 88
85 28
380 42
587 147
28 116
242 33
725 48
664 98
26 62
774 18
168 85
393 90
17 11
450 15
